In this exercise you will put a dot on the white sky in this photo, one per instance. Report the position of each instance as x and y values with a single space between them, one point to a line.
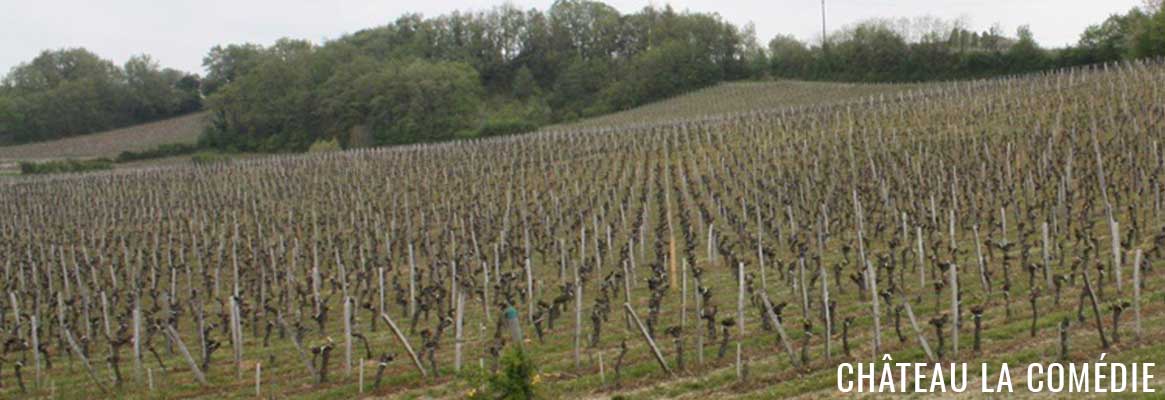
179 33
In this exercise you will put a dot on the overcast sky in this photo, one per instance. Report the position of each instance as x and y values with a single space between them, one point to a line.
178 33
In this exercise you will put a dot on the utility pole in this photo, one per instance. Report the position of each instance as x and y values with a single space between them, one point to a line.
824 38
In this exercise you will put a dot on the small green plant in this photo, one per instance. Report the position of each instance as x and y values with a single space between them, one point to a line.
515 379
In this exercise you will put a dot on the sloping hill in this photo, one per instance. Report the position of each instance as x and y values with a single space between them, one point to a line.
767 193
737 97
726 98
184 129
720 99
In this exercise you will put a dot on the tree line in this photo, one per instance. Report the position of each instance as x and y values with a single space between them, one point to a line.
927 49
74 91
500 71
508 70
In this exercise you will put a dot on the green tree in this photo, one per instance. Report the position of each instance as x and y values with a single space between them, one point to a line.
788 57
9 116
53 68
1112 39
1026 55
419 101
152 93
667 70
871 52
525 85
271 107
1149 40
224 64
577 87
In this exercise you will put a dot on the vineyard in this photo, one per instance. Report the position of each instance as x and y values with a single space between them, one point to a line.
741 97
718 246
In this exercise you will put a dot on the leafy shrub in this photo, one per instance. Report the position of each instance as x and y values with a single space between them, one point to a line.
165 150
323 145
515 380
506 126
65 166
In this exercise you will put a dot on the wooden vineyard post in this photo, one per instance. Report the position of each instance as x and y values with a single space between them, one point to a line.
457 328
404 342
683 295
917 330
235 264
700 337
315 276
824 276
861 244
412 282
137 335
631 256
672 262
497 263
380 285
740 299
577 319
186 354
530 290
828 317
872 283
33 332
951 228
81 355
485 290
650 342
711 254
1112 224
1003 221
453 284
259 379
561 260
1116 254
1095 309
626 291
1047 258
236 337
955 307
804 284
979 258
760 254
921 258
1137 293
602 370
780 331
295 340
348 335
